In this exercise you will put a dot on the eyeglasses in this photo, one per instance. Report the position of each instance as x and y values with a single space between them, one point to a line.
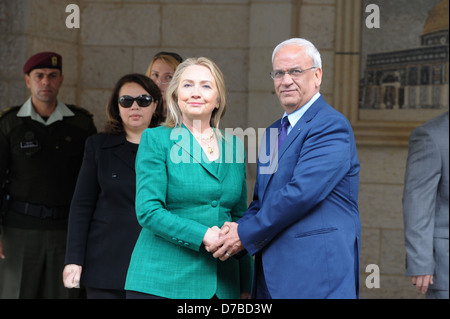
142 100
293 73
164 79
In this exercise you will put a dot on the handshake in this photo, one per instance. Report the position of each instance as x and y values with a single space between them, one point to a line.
223 242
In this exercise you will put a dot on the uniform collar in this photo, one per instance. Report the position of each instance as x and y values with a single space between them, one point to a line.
61 110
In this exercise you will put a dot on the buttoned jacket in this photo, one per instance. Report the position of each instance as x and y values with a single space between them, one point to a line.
103 227
179 195
304 220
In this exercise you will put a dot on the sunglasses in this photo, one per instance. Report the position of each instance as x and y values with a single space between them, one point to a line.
142 100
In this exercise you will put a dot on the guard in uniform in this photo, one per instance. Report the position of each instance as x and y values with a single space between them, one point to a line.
41 150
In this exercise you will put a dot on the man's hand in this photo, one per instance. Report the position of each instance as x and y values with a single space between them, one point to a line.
229 242
422 282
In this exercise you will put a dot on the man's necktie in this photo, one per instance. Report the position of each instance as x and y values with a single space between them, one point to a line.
283 131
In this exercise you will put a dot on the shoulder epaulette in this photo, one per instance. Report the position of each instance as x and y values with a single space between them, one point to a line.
79 109
8 110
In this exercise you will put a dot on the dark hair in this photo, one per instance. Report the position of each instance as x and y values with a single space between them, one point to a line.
114 124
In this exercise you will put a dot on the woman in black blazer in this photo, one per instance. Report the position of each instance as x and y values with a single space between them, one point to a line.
102 222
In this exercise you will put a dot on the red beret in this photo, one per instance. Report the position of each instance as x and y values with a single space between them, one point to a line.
43 60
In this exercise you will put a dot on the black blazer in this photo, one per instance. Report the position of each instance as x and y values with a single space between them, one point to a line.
102 222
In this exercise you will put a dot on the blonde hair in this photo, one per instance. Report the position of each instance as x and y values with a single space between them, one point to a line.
168 59
174 115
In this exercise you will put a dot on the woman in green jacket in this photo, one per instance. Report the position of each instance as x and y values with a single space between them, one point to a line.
190 181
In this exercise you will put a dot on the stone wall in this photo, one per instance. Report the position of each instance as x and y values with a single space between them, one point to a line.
121 36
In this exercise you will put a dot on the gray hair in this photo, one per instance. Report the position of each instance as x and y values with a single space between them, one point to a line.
309 48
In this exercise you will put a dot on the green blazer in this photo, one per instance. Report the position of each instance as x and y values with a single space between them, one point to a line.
179 194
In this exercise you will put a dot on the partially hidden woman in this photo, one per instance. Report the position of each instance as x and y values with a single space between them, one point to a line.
103 228
190 181
161 70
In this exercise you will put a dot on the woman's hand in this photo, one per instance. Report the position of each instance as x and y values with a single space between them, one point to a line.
71 276
211 237
2 255
245 295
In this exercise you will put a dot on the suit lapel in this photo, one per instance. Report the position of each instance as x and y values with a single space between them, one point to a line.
268 161
121 150
289 139
225 147
190 146
276 155
124 153
302 122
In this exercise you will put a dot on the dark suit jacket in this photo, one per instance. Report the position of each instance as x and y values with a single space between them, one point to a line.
103 227
304 219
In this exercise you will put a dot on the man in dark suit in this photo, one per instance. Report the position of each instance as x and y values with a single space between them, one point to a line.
303 225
